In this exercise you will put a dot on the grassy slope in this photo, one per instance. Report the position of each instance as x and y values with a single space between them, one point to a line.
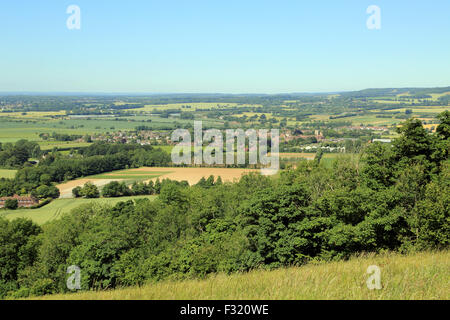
418 276
58 207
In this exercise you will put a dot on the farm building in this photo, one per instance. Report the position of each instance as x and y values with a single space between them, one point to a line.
23 202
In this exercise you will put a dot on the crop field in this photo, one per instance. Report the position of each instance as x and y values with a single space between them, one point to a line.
49 145
65 189
299 155
193 106
191 175
59 207
420 276
33 114
4 173
369 120
421 109
328 159
132 174
13 128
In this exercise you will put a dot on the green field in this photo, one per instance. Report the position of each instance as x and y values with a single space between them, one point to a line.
58 207
327 159
417 276
13 129
193 106
130 175
49 145
4 173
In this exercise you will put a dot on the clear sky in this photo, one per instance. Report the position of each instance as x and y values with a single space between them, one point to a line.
233 46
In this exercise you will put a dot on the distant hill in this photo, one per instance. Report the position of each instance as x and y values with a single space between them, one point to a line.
392 92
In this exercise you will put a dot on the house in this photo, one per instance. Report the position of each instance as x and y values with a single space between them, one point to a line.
23 202
382 140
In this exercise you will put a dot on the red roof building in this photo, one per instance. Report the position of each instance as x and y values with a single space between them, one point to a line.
23 202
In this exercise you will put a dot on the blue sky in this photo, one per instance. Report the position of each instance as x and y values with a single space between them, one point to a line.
229 46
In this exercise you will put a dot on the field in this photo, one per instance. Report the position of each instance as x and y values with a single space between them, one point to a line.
421 109
418 276
49 145
7 173
58 207
327 159
191 175
13 128
193 106
65 189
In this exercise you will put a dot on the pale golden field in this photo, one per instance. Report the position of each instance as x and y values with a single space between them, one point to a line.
415 277
300 155
194 106
65 189
191 175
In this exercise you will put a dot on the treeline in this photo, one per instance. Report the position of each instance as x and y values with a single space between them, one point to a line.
97 158
60 136
17 155
397 199
116 189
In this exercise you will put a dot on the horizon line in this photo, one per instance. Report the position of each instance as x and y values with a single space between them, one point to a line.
2 93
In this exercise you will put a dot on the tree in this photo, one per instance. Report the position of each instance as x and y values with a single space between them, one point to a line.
318 156
18 248
44 192
270 223
11 204
116 189
77 192
414 141
209 182
444 127
378 170
157 186
90 190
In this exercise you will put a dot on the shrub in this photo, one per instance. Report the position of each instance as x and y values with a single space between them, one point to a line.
11 204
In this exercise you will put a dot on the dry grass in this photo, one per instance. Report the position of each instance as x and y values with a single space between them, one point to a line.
65 189
418 276
193 175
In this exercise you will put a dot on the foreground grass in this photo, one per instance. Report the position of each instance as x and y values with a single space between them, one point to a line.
417 276
58 207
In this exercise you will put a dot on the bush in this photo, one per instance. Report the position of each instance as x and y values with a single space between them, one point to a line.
77 192
116 189
11 204
90 191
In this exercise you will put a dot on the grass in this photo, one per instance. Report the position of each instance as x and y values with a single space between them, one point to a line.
49 145
193 106
130 175
58 207
420 109
13 129
4 173
414 277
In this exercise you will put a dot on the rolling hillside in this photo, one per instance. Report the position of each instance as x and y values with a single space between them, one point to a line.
418 276
58 207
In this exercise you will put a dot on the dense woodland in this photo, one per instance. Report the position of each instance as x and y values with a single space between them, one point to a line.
95 159
396 198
